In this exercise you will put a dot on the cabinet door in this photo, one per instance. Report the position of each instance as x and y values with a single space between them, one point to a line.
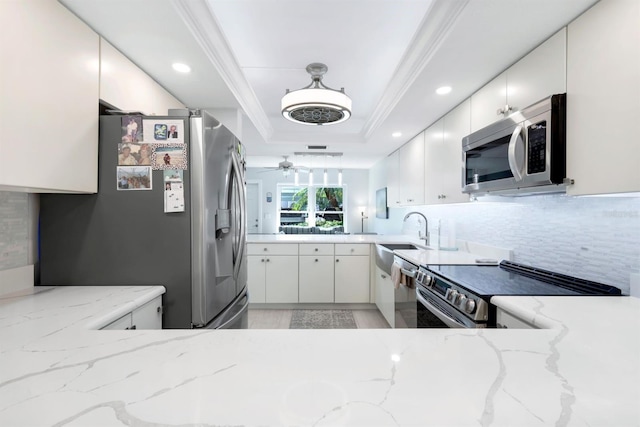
256 278
456 125
384 296
486 102
281 283
393 180
603 99
316 279
434 165
48 99
149 316
539 74
127 87
119 325
411 170
352 279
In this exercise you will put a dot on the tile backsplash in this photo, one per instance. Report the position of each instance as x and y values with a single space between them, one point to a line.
595 238
15 230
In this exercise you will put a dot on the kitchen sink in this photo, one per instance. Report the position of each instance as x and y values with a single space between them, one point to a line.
384 254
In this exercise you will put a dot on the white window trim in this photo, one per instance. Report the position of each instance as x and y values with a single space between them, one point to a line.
311 202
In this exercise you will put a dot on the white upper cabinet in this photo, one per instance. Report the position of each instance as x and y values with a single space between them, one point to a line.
48 99
127 87
536 76
486 102
443 156
393 180
411 172
541 73
603 99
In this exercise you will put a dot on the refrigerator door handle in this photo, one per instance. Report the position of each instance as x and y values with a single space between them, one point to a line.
238 314
239 182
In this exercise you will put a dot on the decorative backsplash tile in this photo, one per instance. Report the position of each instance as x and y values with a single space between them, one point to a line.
595 238
14 230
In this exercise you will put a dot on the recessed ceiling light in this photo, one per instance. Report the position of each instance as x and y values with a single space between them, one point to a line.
181 68
396 134
443 90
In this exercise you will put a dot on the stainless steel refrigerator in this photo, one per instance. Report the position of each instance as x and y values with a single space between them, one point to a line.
125 238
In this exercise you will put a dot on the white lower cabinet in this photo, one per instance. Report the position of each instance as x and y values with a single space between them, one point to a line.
384 296
352 278
273 279
316 279
148 316
504 319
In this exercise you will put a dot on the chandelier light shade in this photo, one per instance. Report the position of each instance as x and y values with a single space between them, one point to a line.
316 104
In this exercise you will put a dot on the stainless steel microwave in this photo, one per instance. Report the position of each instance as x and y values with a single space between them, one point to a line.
526 149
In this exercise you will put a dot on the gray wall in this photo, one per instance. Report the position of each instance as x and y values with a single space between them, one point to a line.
18 229
356 182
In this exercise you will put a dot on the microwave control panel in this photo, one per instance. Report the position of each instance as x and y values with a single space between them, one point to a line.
536 147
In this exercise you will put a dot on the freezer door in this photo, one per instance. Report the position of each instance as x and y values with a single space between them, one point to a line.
218 222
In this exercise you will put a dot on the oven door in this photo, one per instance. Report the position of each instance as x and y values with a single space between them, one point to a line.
432 312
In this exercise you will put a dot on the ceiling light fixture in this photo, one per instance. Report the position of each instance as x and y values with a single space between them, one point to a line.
443 90
396 134
316 104
181 68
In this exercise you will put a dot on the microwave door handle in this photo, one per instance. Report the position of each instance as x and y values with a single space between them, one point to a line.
514 142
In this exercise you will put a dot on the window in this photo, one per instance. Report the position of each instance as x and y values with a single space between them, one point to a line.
311 207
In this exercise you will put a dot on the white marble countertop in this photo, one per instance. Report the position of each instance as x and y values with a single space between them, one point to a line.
584 372
333 238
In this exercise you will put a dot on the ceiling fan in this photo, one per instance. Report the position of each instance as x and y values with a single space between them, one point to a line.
287 167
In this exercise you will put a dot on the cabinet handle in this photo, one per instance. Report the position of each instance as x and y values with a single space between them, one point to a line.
353 250
316 259
316 249
383 276
159 309
262 260
409 200
267 259
397 202
265 249
337 260
507 109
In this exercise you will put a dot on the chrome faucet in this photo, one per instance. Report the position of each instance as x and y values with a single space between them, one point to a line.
424 237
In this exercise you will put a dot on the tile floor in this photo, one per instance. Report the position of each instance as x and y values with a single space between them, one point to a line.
281 319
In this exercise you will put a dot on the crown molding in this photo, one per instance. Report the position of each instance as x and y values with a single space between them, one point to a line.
434 28
205 28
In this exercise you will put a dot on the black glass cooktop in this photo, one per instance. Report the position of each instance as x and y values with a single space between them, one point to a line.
510 278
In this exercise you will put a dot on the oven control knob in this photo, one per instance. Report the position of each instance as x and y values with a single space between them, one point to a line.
462 300
469 306
420 276
452 295
457 298
429 280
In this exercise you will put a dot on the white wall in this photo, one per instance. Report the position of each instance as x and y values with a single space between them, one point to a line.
356 182
595 238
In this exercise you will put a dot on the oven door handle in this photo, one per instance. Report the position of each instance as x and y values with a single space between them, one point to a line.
449 321
516 152
409 273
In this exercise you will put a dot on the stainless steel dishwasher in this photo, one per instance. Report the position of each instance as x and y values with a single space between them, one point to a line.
405 296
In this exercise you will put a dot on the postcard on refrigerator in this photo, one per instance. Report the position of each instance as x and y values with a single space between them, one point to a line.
133 178
169 156
163 131
132 131
173 191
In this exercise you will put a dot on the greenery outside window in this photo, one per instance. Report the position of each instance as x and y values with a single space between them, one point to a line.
311 206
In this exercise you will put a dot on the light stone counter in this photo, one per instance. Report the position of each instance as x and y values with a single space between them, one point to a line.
332 238
53 371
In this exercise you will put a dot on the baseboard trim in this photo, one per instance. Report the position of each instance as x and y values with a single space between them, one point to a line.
16 279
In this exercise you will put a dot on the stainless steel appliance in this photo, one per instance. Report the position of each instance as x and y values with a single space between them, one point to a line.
125 238
525 150
405 295
458 296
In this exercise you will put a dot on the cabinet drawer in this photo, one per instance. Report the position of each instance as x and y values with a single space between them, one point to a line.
321 249
352 249
272 249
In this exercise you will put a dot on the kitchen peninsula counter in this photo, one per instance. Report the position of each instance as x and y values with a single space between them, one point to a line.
55 371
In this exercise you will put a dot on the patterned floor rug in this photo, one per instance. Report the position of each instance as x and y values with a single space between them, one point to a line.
322 319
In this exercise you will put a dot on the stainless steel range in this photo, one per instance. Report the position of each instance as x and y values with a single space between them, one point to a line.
458 296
